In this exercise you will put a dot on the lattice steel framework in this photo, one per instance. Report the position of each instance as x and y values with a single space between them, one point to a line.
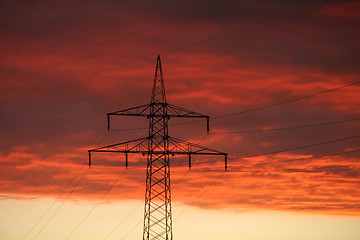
158 146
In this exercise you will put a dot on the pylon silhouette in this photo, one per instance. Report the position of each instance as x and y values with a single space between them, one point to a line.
158 146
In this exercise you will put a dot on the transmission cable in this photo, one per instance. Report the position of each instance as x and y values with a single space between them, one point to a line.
59 196
62 203
93 208
50 207
202 193
302 147
333 168
287 101
56 199
126 218
287 128
294 148
22 215
296 159
306 158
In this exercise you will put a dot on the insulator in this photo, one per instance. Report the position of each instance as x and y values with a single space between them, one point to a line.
189 161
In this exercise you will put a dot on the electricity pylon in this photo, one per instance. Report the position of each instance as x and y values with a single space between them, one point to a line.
158 146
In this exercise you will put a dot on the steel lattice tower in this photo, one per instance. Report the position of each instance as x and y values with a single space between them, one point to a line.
158 146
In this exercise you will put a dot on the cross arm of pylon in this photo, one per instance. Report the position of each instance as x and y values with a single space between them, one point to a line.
140 146
139 111
133 146
134 111
180 112
172 112
181 147
175 111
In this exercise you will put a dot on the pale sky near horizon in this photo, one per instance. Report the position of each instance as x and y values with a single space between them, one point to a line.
189 223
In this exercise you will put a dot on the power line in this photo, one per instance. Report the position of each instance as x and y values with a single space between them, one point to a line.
50 207
333 168
282 161
93 208
287 128
126 218
339 168
26 211
62 203
137 224
302 147
202 193
62 192
313 157
287 101
295 148
18 219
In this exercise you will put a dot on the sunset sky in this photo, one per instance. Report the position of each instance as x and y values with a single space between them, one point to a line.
294 169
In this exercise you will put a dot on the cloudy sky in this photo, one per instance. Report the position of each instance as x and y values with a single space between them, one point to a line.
293 166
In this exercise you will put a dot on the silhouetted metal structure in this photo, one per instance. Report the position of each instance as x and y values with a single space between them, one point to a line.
158 146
